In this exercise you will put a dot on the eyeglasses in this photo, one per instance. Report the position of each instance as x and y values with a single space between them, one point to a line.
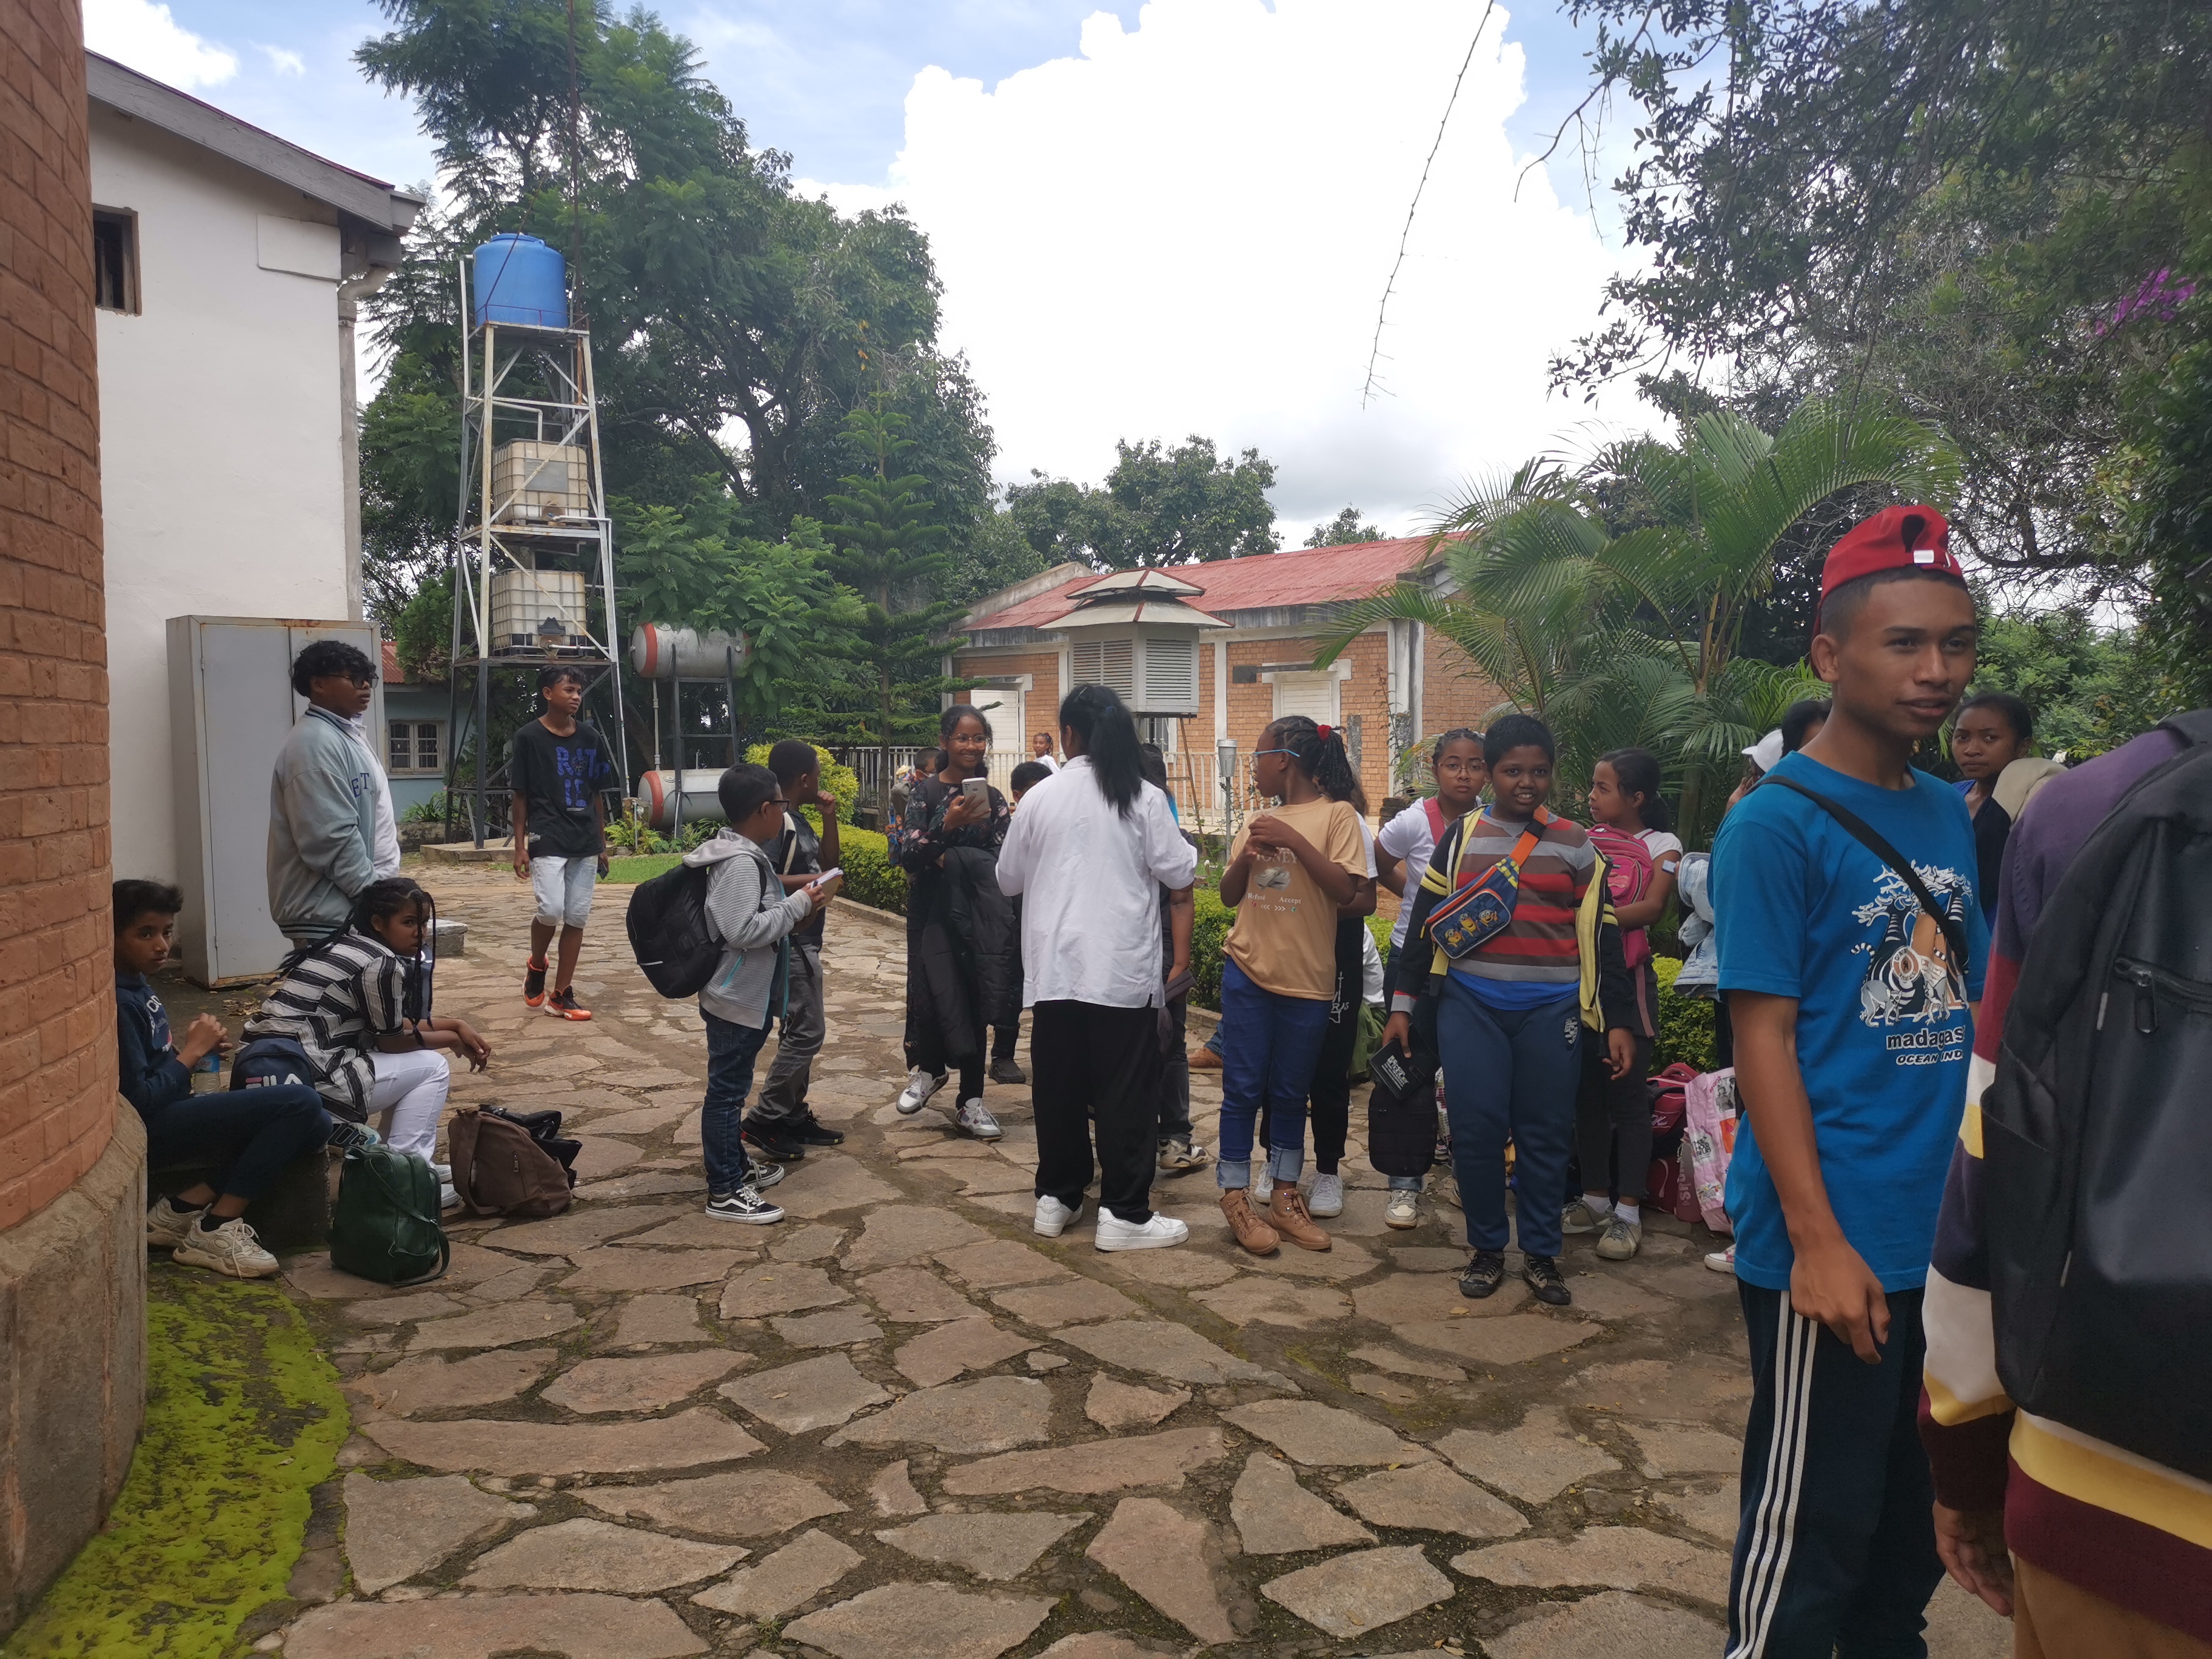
1256 753
778 801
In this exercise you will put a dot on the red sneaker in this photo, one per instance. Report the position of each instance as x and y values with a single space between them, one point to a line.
562 1005
534 981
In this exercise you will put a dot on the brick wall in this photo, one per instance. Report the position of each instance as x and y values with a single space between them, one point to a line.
1454 692
57 1055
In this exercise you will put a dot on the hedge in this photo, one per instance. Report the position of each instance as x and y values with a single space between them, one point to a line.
1685 1023
871 878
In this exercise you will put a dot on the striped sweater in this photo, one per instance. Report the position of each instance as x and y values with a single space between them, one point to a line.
2106 1520
335 1003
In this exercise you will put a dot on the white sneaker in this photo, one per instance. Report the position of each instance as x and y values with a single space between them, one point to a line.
167 1225
921 1084
1053 1218
231 1249
1157 1234
1402 1209
448 1198
1722 1262
1583 1217
1327 1198
974 1118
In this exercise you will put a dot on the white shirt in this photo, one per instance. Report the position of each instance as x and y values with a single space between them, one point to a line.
1666 850
384 856
1408 838
1090 883
1047 761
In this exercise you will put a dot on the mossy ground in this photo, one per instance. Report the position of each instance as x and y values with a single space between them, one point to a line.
244 1418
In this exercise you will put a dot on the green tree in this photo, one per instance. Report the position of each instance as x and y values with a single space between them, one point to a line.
890 550
1158 507
1343 530
1634 636
2091 689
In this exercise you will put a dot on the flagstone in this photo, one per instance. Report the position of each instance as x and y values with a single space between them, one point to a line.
1342 1260
826 1184
999 1262
497 1327
432 1382
579 1228
1252 1300
898 1233
963 1345
652 1319
1115 1405
598 1555
398 1528
403 1310
1498 1341
1406 1365
777 1288
1275 1515
598 1157
893 1491
693 1230
1615 1558
1671 1448
814 1393
795 1574
1402 1298
625 1270
642 1183
642 1120
921 1621
992 1415
1715 1511
909 1295
1311 1433
840 1328
1351 1595
649 1385
573 1626
1091 1467
512 1285
1160 1348
741 1503
1171 1560
1665 1390
810 1243
685 1441
1065 1301
989 1545
1535 1462
1604 1627
1430 1497
1180 1269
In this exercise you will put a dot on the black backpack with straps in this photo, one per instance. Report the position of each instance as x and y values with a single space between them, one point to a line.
2097 1132
670 933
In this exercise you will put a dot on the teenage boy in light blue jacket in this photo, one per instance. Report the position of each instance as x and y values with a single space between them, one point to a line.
331 829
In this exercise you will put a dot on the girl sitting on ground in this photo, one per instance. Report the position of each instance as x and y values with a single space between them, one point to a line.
358 1005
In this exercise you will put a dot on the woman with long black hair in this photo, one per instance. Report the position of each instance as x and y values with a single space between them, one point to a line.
960 971
1090 852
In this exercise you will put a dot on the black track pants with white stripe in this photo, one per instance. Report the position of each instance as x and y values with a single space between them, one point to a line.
1835 1550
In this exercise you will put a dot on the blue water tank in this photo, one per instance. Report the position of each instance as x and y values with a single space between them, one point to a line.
521 280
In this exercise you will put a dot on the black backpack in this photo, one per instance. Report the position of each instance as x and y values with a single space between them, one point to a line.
675 943
2097 1132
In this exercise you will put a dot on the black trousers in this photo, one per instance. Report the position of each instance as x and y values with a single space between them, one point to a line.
1328 1097
928 1051
1095 1069
1614 1115
1835 1550
1003 1039
1175 1076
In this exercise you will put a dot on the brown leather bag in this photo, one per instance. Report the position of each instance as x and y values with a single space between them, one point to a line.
500 1169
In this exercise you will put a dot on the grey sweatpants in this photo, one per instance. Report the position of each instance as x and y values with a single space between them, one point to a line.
783 1096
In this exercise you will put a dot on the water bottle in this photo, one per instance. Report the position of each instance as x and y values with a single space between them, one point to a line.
207 1073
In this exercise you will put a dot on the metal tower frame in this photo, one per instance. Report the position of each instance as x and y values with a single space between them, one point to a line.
487 541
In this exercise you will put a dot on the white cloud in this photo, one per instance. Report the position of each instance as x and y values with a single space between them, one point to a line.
1188 228
284 61
146 37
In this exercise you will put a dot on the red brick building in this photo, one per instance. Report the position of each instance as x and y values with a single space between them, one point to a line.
1205 652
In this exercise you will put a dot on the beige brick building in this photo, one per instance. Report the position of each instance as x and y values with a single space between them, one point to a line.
1249 630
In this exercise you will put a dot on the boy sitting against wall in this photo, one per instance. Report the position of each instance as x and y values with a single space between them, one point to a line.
251 1133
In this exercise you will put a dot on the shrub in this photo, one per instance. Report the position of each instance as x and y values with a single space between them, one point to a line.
837 778
871 878
1686 1023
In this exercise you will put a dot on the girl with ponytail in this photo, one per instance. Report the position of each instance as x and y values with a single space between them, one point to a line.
1090 851
358 1004
1290 871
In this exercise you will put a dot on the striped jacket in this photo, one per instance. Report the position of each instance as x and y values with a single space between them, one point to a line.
335 1003
1563 928
2112 1522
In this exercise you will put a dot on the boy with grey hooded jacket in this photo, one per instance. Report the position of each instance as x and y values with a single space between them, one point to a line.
329 810
755 918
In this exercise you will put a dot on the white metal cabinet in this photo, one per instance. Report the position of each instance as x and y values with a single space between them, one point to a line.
231 707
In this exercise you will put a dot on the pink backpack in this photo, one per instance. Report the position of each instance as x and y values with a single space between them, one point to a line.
1629 874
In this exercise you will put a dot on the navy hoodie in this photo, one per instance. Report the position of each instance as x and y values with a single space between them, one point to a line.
147 1070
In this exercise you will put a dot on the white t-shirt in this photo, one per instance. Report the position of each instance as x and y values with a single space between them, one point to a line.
1666 850
1407 837
1047 761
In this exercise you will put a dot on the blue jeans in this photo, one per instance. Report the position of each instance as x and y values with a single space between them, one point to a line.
250 1135
1270 1045
1511 1074
731 1050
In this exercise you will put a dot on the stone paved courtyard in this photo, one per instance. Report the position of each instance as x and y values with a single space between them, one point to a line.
900 1424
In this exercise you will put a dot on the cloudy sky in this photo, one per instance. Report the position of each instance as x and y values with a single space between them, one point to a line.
1150 220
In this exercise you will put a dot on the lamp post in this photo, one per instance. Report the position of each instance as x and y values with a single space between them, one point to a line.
1225 754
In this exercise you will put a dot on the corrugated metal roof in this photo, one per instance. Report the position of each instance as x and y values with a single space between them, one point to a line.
1313 575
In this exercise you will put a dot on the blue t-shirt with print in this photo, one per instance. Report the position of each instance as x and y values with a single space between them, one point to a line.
1883 1035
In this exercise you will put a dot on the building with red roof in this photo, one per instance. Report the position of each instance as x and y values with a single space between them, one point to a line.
1214 651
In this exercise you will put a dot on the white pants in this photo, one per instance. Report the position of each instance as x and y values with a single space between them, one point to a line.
410 1094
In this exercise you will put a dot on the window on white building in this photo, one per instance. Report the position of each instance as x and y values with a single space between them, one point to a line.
115 259
414 746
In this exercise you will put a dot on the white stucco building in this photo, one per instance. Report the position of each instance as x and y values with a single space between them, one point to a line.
230 265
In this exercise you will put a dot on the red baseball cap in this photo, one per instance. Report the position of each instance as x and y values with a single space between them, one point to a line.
1895 538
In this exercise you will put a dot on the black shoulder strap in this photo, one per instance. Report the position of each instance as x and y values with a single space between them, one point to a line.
2194 727
1955 932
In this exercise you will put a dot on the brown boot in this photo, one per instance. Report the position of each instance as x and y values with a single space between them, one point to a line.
1288 1216
1254 1234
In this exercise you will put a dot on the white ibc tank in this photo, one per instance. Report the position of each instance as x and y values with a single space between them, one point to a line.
703 802
659 652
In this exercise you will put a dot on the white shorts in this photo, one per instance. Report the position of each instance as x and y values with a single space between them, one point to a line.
563 889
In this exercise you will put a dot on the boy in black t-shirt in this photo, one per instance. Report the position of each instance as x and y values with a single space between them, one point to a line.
561 773
782 1125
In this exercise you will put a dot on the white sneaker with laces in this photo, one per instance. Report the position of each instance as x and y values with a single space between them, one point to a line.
230 1248
1402 1209
1180 1157
1157 1234
1583 1217
1327 1198
167 1225
1053 1218
448 1198
921 1084
977 1120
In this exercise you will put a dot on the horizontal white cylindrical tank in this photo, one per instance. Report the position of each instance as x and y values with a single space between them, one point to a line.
702 804
659 652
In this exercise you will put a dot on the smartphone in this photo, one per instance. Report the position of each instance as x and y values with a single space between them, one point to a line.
976 789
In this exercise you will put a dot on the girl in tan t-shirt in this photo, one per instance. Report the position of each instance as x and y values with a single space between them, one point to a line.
1288 873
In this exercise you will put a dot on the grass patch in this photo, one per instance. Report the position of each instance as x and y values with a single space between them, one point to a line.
644 868
243 1420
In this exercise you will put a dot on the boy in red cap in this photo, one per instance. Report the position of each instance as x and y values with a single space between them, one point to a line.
1852 949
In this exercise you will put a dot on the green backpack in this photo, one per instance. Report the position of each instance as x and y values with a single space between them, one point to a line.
386 1226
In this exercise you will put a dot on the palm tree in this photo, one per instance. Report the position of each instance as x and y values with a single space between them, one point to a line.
1631 637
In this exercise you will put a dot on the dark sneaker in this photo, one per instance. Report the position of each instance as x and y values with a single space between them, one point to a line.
761 1175
744 1205
1484 1275
533 982
563 1005
772 1141
1542 1274
346 1134
1008 1070
808 1130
